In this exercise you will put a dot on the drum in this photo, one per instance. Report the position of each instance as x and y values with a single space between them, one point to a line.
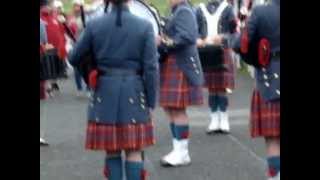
211 57
150 13
51 66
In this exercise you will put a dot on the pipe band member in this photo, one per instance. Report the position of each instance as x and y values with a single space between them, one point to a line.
221 26
119 113
181 78
261 36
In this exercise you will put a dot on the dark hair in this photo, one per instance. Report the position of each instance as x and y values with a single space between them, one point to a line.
118 4
43 3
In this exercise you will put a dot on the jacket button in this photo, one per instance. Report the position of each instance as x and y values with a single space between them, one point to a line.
131 100
264 69
91 104
197 72
276 75
143 107
142 100
192 59
141 94
265 77
278 91
133 121
267 84
99 100
194 65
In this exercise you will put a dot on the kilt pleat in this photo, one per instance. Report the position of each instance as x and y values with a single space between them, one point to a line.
265 117
175 91
119 137
219 80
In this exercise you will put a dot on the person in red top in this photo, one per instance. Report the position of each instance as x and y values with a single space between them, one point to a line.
55 33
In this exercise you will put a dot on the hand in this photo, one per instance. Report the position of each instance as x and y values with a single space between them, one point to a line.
200 42
151 114
48 46
244 11
167 40
61 19
158 40
217 39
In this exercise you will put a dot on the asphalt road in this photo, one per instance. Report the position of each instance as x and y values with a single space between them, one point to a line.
224 157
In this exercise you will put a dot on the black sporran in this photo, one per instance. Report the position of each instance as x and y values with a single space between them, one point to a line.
212 58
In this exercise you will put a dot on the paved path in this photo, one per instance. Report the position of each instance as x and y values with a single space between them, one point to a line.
225 157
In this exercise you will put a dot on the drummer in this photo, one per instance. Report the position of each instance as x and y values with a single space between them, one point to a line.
222 24
181 78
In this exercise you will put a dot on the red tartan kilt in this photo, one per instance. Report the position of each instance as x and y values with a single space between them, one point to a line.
42 90
113 138
265 117
218 81
175 91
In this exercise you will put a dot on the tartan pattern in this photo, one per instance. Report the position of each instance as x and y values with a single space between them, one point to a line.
265 117
175 91
218 81
112 138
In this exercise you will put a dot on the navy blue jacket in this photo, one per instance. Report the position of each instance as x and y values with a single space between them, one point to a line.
182 29
265 22
121 99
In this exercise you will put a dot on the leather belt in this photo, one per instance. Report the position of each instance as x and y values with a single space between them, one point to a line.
118 72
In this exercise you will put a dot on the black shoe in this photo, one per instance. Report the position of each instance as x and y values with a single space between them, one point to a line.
55 87
43 142
50 93
224 132
218 132
213 132
65 76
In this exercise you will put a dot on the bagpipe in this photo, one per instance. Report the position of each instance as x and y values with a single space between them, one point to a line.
256 51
